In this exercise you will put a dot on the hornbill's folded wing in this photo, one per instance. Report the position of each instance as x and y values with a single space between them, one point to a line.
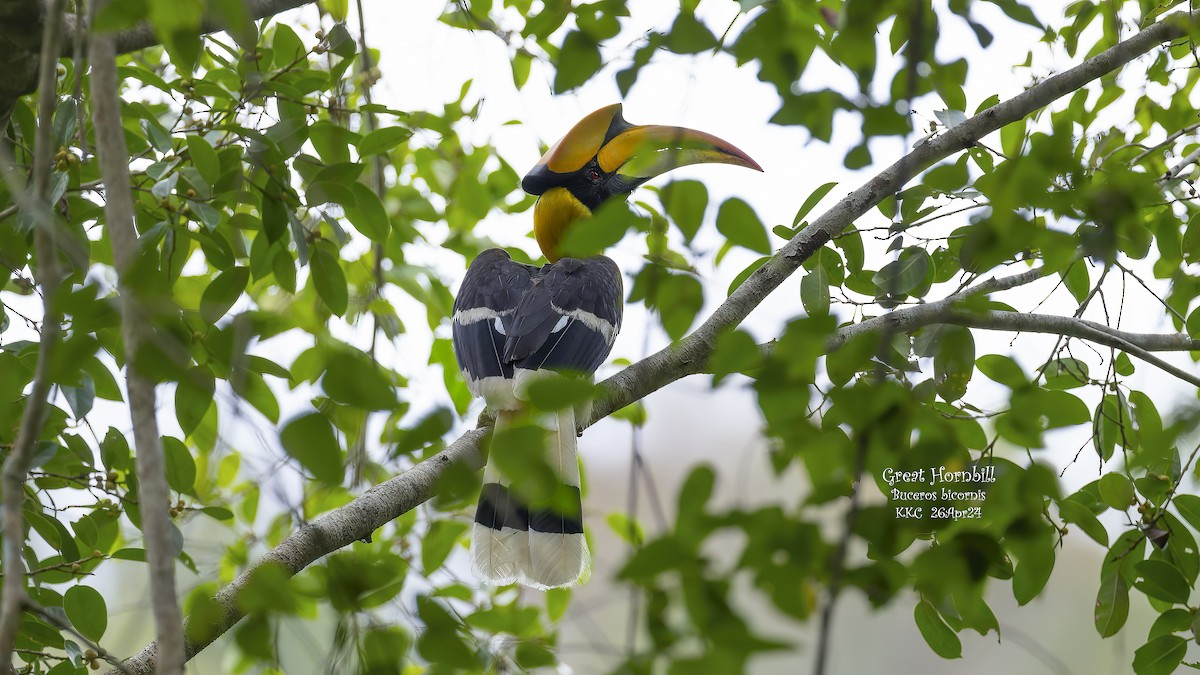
483 312
569 319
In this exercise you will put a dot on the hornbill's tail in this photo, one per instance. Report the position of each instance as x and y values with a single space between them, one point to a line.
558 552
540 544
500 535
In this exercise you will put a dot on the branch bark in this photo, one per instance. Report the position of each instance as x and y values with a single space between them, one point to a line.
142 35
393 498
33 419
153 493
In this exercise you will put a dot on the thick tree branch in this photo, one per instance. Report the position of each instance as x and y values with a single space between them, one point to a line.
142 35
391 499
691 352
153 493
33 419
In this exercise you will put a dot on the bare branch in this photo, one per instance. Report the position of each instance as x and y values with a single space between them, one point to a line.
1135 344
395 497
153 493
1184 163
16 466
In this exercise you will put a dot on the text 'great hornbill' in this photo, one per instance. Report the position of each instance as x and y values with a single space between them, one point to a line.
516 323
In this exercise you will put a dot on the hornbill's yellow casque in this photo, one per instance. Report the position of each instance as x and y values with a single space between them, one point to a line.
513 323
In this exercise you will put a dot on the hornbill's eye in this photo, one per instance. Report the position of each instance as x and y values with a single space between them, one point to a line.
593 174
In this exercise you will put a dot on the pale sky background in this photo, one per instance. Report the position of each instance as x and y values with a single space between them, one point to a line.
424 63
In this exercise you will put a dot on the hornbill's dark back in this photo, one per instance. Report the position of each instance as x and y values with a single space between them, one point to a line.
515 323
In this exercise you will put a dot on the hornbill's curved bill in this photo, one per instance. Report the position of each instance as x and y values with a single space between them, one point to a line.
514 323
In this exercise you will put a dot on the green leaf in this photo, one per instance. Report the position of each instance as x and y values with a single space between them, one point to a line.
1159 656
1066 373
578 60
330 280
1075 512
287 46
177 24
627 528
1112 604
1003 370
383 140
606 227
811 202
905 274
1032 571
274 216
120 14
954 363
367 213
745 274
1019 12
558 393
309 438
438 542
337 8
1162 580
685 201
741 226
1174 620
937 634
81 398
1123 365
441 642
679 298
351 377
734 352
1188 506
181 467
689 36
86 609
1108 425
814 291
1075 278
204 158
331 142
557 601
1117 492
222 292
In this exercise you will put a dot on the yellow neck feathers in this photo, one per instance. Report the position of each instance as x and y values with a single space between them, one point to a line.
554 212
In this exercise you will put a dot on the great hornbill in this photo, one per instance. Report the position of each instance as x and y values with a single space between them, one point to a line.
514 323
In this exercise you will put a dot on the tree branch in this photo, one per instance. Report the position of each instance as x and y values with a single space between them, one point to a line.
153 492
394 497
1135 344
691 352
142 35
33 419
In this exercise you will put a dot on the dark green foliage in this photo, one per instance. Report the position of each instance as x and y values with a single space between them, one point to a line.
260 227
